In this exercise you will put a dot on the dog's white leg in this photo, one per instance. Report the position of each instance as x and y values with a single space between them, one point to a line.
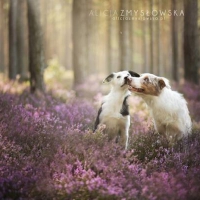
127 137
123 133
127 132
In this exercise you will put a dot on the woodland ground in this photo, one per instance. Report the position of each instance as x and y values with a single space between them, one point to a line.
48 150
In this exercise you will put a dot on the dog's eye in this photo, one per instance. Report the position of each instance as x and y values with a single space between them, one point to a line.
118 76
146 79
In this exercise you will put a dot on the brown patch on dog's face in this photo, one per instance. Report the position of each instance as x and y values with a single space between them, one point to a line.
148 85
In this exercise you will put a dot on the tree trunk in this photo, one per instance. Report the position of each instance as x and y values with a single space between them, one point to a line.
144 46
151 39
125 36
21 46
174 30
91 38
110 41
158 42
2 64
68 36
145 40
191 43
113 36
13 39
79 39
36 51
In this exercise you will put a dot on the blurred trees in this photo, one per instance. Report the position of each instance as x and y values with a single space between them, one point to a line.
22 34
2 62
151 45
18 40
36 50
174 43
13 39
91 34
113 37
94 37
125 35
79 39
191 42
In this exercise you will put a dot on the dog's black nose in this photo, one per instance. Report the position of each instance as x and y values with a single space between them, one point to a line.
126 79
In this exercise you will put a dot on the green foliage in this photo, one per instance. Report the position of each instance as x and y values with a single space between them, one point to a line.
57 76
59 81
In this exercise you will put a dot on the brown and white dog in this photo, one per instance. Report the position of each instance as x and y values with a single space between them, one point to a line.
168 108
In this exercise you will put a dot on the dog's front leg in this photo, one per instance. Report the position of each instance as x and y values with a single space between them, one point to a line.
127 137
124 136
127 131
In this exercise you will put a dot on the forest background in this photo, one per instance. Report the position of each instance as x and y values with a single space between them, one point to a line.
54 55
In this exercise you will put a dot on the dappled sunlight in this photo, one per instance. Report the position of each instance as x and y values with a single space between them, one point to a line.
59 80
12 87
57 76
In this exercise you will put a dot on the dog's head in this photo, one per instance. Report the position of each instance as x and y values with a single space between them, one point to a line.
148 84
120 79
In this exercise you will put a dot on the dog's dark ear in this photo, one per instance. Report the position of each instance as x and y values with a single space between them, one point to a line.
133 74
161 83
109 78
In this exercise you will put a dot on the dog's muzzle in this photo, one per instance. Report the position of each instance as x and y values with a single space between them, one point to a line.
127 80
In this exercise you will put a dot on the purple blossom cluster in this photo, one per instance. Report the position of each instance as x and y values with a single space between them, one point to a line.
192 94
48 151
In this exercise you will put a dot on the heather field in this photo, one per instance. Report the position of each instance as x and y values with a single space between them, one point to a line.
48 150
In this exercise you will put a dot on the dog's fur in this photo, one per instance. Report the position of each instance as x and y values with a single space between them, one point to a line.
114 112
168 108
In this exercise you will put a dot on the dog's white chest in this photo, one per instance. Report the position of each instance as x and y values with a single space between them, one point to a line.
111 111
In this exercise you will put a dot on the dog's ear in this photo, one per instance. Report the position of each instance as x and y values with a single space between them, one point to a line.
164 82
161 83
133 74
109 78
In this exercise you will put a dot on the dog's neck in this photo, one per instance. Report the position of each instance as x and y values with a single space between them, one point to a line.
151 100
116 99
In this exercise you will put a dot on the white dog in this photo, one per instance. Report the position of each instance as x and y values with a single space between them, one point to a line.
114 111
168 108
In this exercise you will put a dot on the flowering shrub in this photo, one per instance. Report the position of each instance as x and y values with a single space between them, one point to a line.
192 93
48 151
